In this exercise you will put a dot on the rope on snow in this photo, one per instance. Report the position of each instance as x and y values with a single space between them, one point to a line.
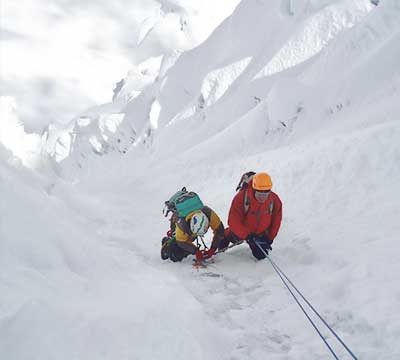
283 276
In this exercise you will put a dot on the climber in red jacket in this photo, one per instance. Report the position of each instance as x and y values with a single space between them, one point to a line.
255 216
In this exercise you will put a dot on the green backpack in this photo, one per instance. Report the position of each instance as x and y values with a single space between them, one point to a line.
182 203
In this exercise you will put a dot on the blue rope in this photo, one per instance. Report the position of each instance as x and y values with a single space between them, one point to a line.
281 274
316 312
305 313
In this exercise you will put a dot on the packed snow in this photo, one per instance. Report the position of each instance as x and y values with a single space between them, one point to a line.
306 90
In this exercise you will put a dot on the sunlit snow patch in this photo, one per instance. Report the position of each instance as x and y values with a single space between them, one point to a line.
110 122
139 78
315 35
217 82
25 147
154 114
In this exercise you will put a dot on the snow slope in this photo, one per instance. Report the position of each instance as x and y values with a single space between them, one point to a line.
69 292
327 131
228 81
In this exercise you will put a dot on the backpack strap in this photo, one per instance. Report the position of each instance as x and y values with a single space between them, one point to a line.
271 207
184 225
245 179
246 201
207 212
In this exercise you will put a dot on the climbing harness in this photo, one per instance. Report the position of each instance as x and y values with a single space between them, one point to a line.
283 276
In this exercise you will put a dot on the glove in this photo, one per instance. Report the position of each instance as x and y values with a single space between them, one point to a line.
251 238
262 240
209 253
199 255
265 242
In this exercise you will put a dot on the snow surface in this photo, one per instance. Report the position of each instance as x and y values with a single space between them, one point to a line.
306 90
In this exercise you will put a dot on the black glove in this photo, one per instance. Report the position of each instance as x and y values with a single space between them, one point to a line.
251 238
264 241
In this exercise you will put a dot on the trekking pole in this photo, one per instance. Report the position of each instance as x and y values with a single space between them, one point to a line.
282 275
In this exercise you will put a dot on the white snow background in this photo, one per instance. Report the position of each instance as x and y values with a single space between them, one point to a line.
307 90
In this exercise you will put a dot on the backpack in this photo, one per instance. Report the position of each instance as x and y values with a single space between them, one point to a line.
244 180
244 184
182 203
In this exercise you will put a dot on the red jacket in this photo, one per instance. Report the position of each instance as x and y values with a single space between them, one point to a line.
259 218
